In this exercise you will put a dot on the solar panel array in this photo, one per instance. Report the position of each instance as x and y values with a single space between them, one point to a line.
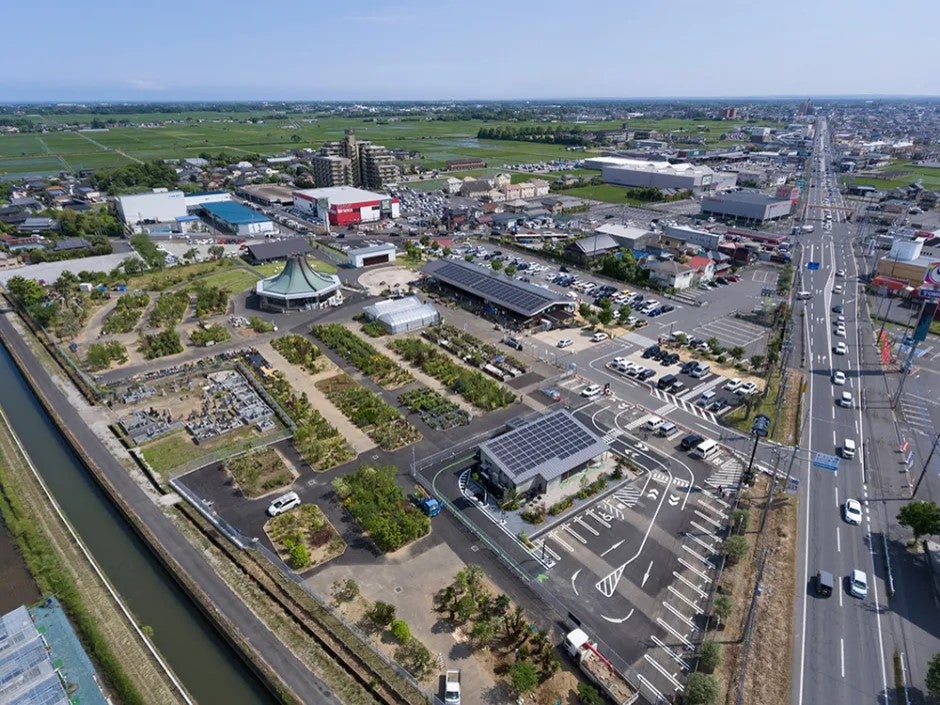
515 296
556 436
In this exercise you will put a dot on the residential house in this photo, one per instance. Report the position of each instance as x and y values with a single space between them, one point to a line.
671 274
704 268
591 247
38 225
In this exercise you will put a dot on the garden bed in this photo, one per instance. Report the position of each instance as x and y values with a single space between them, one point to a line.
380 368
479 390
474 351
259 472
434 409
368 411
169 309
126 314
297 350
304 537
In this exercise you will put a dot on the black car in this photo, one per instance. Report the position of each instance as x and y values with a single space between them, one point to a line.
650 351
718 404
646 374
660 354
667 308
670 359
690 441
655 312
838 308
562 268
689 366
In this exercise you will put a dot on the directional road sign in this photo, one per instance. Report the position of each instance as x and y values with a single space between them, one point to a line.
812 265
826 462
793 485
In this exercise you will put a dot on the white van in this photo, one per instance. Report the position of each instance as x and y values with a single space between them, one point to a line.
848 448
706 449
653 423
699 371
803 295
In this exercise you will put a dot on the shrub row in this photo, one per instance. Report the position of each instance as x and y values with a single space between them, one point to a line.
378 367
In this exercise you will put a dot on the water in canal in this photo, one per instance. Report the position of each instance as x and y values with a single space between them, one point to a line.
211 671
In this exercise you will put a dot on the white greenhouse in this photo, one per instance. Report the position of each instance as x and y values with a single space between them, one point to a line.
402 315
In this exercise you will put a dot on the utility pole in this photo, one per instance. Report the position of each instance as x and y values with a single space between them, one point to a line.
923 472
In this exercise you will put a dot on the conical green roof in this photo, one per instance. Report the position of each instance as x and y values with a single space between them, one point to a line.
298 279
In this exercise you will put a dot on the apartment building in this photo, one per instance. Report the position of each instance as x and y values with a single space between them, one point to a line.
367 165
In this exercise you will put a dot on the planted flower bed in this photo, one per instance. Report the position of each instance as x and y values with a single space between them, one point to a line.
380 422
474 351
481 391
435 410
297 350
380 368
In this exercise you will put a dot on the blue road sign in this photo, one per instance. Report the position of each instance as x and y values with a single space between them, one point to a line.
793 485
812 265
826 462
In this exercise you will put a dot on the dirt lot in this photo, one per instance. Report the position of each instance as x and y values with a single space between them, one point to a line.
377 280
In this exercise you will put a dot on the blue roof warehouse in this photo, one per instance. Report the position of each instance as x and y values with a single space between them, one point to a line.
236 218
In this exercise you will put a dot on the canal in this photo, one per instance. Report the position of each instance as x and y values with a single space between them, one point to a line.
209 668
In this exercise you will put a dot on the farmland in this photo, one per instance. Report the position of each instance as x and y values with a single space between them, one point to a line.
196 133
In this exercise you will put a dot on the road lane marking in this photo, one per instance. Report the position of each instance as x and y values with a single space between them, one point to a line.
646 575
695 570
842 655
572 532
701 558
665 625
838 540
574 576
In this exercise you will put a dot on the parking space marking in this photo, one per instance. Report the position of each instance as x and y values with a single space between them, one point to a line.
716 524
571 531
705 531
686 600
668 676
707 547
669 652
679 614
649 686
541 544
695 570
704 560
595 517
689 584
669 628
580 521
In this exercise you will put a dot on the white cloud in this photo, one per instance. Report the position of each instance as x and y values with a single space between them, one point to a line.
146 84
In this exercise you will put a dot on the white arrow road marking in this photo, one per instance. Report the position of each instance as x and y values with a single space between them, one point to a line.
617 620
673 500
573 578
653 493
646 575
616 545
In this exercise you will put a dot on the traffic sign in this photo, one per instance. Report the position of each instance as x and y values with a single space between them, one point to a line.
826 462
793 485
812 265
930 293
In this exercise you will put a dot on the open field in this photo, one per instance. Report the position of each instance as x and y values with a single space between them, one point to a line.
900 173
609 193
233 280
436 141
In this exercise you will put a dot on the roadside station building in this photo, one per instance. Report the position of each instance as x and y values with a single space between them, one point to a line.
298 287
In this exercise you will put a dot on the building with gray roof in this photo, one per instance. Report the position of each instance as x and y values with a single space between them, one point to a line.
298 287
747 205
402 315
538 455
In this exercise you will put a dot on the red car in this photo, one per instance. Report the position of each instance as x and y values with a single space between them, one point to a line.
733 278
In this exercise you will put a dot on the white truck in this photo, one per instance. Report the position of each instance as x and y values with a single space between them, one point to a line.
598 669
452 687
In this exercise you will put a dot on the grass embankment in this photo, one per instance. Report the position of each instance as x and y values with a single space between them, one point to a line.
767 675
60 568
785 428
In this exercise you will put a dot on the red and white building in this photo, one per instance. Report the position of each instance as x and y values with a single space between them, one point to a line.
345 205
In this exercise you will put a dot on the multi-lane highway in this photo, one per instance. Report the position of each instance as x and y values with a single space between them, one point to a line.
841 654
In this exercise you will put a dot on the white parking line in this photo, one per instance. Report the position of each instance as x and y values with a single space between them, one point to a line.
580 521
706 546
710 508
704 560
707 518
695 570
543 547
703 530
669 628
689 584
572 532
649 686
590 513
686 600
553 535
678 614
669 652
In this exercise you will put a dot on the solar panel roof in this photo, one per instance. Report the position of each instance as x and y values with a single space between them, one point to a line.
548 446
519 297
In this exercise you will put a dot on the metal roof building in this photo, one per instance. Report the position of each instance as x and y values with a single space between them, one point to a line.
236 218
298 287
278 249
540 453
749 205
367 256
495 289
402 315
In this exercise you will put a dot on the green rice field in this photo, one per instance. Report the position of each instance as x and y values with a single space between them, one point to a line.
435 141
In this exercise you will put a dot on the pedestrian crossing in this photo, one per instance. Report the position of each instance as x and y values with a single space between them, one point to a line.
673 402
663 479
728 474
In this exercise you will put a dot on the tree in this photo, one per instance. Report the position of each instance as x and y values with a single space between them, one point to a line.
933 676
496 264
381 615
401 631
737 352
510 269
216 251
295 138
523 677
344 590
713 344
757 362
299 556
191 254
606 314
923 518
464 608
588 694
701 689
624 312
709 656
722 607
483 630
584 310
735 548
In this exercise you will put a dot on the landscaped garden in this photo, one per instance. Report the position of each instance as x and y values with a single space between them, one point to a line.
209 335
210 300
316 439
126 314
368 411
169 309
478 389
380 507
166 342
474 351
297 350
435 410
101 355
259 472
304 537
378 367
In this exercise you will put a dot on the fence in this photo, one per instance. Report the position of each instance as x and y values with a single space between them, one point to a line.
245 543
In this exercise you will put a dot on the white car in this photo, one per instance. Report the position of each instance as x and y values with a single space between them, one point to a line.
565 342
733 385
746 388
846 400
283 503
841 348
618 361
840 320
598 337
840 331
852 511
837 289
838 377
858 584
840 273
591 391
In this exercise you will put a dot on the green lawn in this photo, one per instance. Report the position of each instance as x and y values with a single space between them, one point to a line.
268 269
900 173
234 280
178 449
609 193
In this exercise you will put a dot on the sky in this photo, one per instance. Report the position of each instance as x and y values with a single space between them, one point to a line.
482 49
